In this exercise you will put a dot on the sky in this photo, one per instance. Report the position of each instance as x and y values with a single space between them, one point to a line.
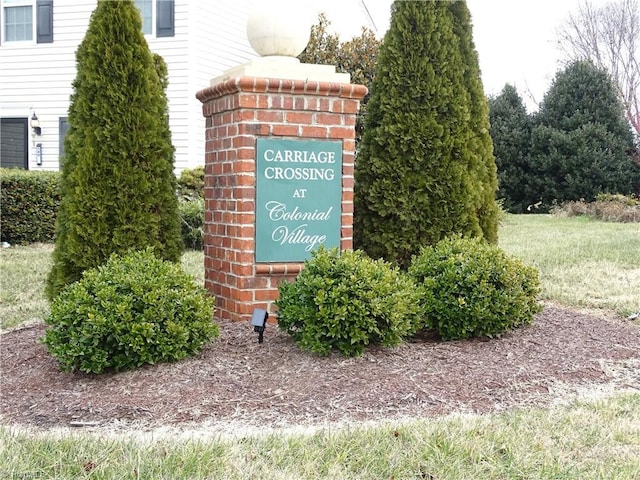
515 39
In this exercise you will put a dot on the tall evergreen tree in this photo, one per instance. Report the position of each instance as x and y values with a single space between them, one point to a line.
511 134
117 185
482 162
421 165
581 139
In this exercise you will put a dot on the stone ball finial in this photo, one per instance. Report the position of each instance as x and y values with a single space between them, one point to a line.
280 27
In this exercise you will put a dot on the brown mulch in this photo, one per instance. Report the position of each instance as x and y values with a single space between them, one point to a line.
235 379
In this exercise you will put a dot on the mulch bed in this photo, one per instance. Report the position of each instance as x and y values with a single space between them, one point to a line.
274 384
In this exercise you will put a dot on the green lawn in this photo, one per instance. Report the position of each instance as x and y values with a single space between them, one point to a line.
582 263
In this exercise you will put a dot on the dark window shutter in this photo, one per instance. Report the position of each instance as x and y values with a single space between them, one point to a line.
165 18
44 19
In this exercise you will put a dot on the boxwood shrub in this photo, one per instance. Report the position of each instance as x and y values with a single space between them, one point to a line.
470 288
346 301
28 205
136 309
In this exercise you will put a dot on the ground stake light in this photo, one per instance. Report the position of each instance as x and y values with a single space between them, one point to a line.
259 322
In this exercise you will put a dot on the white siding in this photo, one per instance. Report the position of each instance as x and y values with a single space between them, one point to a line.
37 77
219 44
175 52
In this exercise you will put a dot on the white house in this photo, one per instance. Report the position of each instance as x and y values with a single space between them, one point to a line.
38 38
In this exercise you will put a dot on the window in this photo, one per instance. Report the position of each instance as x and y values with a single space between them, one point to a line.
146 11
14 151
19 24
163 11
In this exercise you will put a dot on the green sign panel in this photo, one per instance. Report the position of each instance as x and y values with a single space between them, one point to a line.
298 198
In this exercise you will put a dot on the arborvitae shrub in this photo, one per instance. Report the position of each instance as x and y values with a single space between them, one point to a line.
28 205
346 301
118 188
136 309
425 168
470 288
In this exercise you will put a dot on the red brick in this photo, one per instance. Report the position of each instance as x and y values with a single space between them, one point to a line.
245 166
247 180
347 195
284 130
245 153
329 118
314 132
347 183
245 205
245 309
266 295
269 116
299 117
248 101
341 132
242 244
253 283
243 141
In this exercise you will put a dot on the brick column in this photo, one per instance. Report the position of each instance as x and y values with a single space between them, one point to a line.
238 111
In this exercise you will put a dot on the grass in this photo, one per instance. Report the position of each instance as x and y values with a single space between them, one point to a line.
582 263
23 274
585 440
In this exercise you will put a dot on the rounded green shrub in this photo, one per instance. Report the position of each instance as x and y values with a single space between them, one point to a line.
135 309
473 289
347 301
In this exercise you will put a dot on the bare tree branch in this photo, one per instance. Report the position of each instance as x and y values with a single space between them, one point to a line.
610 37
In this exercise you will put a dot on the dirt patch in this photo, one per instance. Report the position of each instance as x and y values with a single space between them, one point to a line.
274 384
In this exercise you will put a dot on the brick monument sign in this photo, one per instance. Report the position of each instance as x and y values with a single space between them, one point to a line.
279 162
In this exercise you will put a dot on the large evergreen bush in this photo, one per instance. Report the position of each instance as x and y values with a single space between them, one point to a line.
511 134
472 289
346 301
136 309
581 140
479 143
117 186
424 168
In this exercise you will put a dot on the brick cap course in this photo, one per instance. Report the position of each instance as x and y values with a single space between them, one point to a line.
278 268
278 85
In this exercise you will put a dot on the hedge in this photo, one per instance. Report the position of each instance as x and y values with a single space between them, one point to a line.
28 205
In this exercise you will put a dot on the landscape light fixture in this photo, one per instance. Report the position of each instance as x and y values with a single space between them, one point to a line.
259 322
35 124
